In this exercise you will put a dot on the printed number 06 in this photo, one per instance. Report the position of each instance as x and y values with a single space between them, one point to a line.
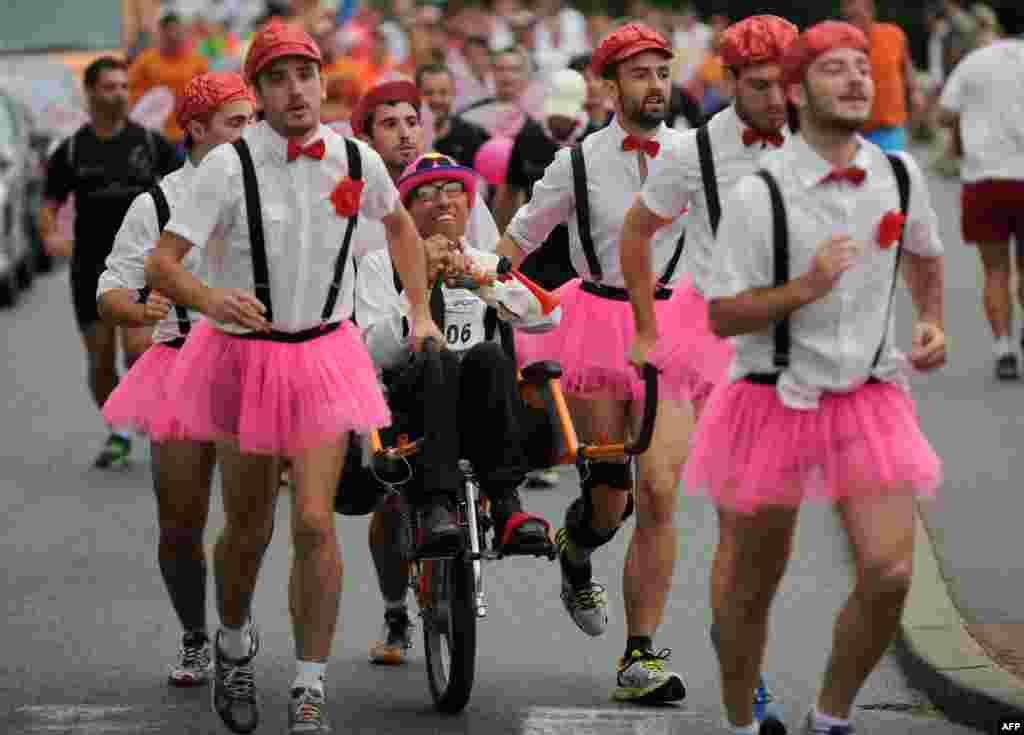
455 335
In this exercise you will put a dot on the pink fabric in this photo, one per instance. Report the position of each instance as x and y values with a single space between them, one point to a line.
705 358
592 344
751 451
140 400
275 397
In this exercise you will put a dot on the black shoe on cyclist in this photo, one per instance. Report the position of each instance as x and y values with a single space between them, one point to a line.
517 532
439 534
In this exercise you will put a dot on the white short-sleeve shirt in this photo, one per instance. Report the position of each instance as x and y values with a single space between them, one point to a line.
136 238
987 90
613 181
834 339
678 183
302 229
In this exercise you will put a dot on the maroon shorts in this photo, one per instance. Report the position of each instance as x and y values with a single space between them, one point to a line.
992 211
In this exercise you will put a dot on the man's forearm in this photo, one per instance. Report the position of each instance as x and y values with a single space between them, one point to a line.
166 274
757 309
925 279
637 271
120 306
509 248
409 258
506 202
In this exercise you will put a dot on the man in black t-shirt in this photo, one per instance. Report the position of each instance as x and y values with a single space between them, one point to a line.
533 151
453 136
105 164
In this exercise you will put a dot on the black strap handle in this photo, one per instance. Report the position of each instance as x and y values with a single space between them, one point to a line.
579 183
355 172
710 180
899 168
163 216
254 213
780 246
670 268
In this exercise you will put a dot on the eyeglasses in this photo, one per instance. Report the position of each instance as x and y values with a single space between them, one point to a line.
430 193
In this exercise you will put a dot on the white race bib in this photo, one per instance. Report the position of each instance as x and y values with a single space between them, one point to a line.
464 319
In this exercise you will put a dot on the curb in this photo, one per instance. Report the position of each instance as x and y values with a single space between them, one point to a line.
939 656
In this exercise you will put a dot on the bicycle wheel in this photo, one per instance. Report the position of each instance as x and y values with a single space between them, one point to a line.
449 634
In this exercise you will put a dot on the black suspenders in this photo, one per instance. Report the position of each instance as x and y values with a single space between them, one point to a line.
163 216
780 247
707 175
579 183
254 212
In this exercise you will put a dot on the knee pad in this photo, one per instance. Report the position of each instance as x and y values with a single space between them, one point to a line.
181 538
616 476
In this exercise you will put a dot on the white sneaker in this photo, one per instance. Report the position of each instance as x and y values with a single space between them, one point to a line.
195 662
643 678
587 605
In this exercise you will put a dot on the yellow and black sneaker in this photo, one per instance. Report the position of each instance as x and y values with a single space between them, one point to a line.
643 678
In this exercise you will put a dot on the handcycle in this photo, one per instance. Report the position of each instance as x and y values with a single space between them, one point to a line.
450 589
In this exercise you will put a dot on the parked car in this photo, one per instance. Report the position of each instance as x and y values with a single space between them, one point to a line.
19 164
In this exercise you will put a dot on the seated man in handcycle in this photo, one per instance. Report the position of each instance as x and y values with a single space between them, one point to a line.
477 414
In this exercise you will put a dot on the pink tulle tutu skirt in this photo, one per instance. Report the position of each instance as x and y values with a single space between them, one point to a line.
275 397
592 343
705 357
751 451
140 400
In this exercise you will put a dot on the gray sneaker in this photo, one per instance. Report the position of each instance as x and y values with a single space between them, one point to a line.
587 604
194 662
642 677
810 729
306 713
234 693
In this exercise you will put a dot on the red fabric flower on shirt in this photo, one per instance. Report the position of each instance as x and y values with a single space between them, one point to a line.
890 229
346 196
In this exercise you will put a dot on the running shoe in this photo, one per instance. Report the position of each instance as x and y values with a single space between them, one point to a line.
642 677
116 453
583 598
395 639
234 693
306 713
1007 368
811 729
766 709
194 661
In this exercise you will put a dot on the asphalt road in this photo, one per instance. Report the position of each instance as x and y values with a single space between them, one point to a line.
90 630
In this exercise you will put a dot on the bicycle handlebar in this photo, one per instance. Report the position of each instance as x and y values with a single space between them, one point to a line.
643 438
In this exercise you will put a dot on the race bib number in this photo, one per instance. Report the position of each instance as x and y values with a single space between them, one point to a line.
464 320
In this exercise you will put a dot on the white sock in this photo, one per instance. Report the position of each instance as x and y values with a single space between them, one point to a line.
1003 346
823 722
752 729
309 675
236 643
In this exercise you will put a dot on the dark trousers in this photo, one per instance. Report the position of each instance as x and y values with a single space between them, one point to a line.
469 409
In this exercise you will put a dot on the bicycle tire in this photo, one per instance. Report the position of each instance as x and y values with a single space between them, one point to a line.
450 628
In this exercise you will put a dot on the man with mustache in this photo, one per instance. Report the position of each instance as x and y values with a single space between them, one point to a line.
489 425
278 368
699 172
588 187
817 405
105 164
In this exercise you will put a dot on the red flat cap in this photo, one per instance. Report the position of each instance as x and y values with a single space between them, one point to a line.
817 40
759 39
277 39
397 90
626 42
206 92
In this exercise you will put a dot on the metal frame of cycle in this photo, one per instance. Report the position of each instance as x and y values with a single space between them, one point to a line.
449 589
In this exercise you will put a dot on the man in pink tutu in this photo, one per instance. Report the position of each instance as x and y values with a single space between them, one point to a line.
701 170
278 368
478 412
817 403
214 109
589 186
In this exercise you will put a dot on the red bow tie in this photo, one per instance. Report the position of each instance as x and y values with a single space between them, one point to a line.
751 136
633 143
854 174
316 150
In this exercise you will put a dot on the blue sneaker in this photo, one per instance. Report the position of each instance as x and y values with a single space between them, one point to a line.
766 709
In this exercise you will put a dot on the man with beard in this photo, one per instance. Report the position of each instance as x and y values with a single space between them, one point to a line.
388 119
105 164
588 186
699 170
278 368
453 136
817 405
